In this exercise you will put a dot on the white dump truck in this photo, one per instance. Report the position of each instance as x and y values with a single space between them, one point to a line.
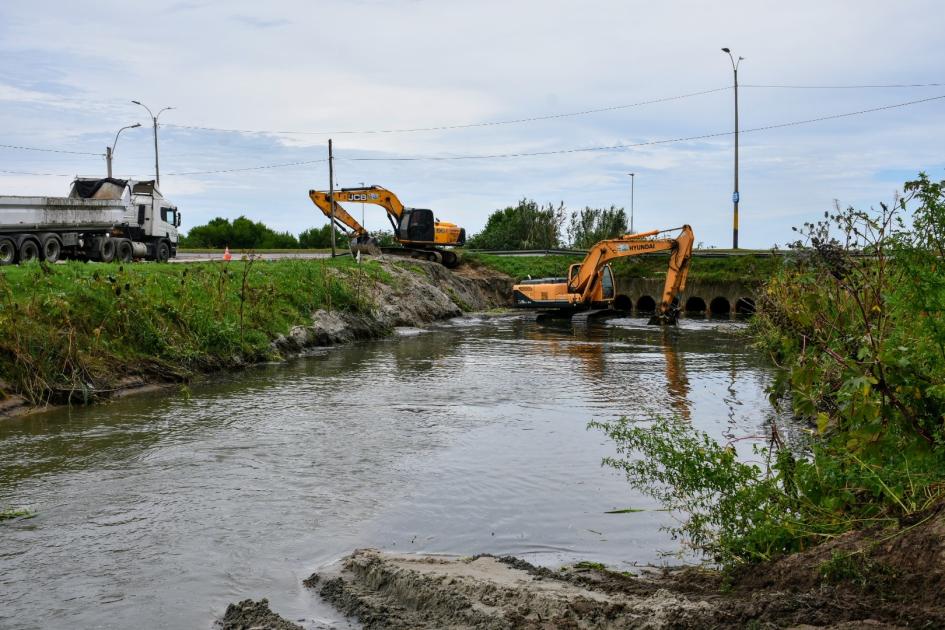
101 219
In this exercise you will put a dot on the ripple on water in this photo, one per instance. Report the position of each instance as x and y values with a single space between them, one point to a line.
471 437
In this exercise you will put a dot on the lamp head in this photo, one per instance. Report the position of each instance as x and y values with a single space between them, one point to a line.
726 50
135 125
136 102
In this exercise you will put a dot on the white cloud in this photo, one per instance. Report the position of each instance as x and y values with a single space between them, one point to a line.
343 65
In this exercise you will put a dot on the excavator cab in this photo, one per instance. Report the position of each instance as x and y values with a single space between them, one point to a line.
417 225
605 287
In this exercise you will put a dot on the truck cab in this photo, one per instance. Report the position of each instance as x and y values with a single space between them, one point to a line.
156 217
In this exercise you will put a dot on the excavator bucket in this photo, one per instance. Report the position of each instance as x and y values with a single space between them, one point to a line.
669 318
666 316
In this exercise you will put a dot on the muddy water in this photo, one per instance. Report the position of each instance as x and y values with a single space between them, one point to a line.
468 437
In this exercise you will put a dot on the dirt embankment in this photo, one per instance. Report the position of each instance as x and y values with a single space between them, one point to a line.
418 293
878 579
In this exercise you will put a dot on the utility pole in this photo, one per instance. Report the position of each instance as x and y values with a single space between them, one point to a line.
735 196
632 177
110 151
154 119
331 194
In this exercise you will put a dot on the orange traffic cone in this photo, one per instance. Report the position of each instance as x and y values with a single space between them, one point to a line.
226 254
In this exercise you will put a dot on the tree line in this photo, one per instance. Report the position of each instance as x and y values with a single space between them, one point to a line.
526 225
243 233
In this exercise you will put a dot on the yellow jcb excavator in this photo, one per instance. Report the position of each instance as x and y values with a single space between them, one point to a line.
419 233
590 283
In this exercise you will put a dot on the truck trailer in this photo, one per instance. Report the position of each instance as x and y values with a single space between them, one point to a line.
101 219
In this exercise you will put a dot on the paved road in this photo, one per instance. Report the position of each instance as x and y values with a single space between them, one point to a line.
198 257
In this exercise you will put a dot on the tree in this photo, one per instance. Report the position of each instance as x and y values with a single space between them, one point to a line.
524 226
320 238
242 233
591 225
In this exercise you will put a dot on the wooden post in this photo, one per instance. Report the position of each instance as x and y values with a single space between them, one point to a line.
331 195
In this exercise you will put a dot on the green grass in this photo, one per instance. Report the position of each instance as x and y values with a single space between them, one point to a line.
587 564
12 513
73 331
521 267
297 250
735 268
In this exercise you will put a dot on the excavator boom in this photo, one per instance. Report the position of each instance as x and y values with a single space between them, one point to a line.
590 283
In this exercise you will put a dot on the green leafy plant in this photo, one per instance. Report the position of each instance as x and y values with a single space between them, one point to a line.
856 322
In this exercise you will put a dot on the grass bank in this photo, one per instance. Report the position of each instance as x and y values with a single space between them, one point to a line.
76 331
747 268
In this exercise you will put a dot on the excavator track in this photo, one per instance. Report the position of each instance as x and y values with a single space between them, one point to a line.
442 256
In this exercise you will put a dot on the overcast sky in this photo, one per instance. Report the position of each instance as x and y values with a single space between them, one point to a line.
69 71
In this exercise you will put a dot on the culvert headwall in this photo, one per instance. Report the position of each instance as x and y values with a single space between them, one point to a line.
719 299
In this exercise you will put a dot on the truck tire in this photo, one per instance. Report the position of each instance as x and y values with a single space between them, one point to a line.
106 251
124 252
7 252
51 249
28 251
163 252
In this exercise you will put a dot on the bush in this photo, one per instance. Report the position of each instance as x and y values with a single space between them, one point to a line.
242 233
856 321
320 238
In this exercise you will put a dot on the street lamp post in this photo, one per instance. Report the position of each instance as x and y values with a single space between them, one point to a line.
735 197
154 119
110 151
632 177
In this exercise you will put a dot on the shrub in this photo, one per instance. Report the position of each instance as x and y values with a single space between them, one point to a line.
856 322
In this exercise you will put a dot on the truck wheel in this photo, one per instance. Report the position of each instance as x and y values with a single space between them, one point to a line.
7 251
29 251
52 249
163 252
106 251
124 252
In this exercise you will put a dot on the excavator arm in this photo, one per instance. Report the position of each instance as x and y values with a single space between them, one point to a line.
585 274
370 194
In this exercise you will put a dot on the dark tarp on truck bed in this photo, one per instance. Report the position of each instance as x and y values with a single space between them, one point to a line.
86 188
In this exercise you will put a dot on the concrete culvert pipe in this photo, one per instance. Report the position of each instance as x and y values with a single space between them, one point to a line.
623 303
646 304
696 305
720 306
745 306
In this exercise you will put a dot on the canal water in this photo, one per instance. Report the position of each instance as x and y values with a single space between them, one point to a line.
470 436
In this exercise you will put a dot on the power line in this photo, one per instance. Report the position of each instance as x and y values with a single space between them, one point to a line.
844 87
250 168
461 126
36 174
22 148
616 147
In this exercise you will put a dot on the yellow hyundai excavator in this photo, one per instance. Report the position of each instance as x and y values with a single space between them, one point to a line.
590 283
419 233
